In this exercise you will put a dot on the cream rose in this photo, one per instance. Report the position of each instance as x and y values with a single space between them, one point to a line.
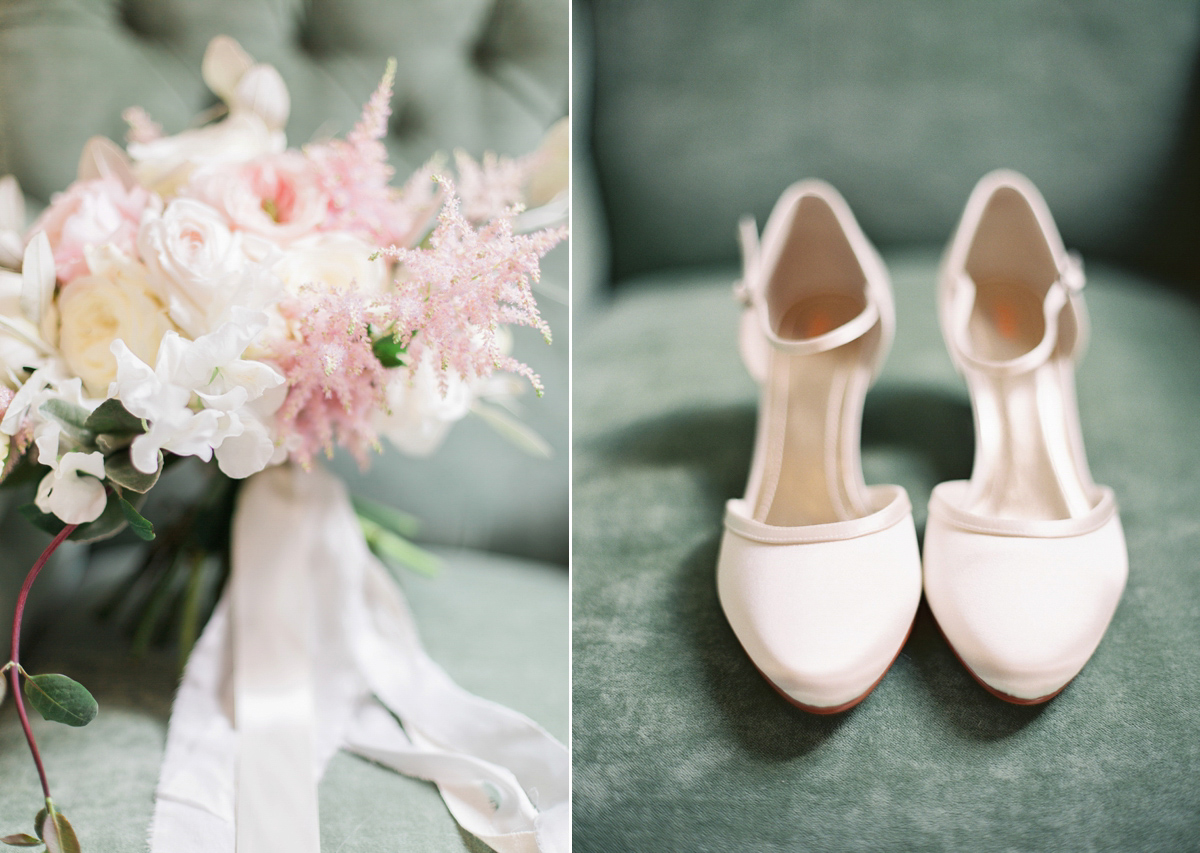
114 301
333 262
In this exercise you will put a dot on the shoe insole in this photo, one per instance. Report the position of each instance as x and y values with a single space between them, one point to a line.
1025 464
813 409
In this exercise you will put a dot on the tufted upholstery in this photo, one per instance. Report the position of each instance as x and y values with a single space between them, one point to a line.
478 74
703 112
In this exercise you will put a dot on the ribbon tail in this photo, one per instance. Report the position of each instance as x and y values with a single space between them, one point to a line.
194 807
487 801
250 734
477 751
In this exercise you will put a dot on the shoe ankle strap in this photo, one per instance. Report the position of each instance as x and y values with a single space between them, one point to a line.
1064 292
755 335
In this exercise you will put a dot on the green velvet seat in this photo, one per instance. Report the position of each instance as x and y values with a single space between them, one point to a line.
697 117
476 75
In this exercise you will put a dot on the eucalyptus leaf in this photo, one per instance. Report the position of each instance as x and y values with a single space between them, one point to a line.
72 417
139 525
111 442
58 833
21 839
60 699
119 469
41 520
24 470
112 417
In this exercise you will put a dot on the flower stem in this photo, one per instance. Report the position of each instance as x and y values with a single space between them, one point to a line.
15 670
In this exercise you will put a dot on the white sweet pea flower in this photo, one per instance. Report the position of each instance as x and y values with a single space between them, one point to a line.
21 343
195 397
46 383
165 164
150 395
74 491
258 104
239 456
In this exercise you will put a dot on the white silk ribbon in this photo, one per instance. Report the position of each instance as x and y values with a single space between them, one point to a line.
250 733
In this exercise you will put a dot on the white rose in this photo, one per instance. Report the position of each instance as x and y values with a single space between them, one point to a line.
335 262
418 415
196 263
114 302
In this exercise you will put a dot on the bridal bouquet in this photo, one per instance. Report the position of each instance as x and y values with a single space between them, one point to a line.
218 294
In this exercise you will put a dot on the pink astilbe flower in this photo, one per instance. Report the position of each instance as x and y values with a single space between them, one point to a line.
491 186
454 295
335 381
94 212
356 177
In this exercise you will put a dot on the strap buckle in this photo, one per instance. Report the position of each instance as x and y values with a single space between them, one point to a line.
1070 272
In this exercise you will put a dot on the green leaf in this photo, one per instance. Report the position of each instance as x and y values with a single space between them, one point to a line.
139 525
60 699
108 442
21 839
509 427
112 417
57 832
119 468
41 520
389 351
39 824
71 417
400 523
390 547
25 470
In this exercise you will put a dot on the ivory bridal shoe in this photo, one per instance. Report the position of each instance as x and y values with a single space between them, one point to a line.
1024 562
819 574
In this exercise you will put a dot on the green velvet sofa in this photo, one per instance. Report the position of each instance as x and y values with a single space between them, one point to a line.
689 114
471 74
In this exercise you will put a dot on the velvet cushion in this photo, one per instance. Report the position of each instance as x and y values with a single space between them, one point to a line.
679 744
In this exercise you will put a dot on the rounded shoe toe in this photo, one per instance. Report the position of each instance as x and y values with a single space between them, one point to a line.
1024 614
822 621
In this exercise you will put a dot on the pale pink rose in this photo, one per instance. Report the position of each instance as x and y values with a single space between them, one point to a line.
92 213
279 197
